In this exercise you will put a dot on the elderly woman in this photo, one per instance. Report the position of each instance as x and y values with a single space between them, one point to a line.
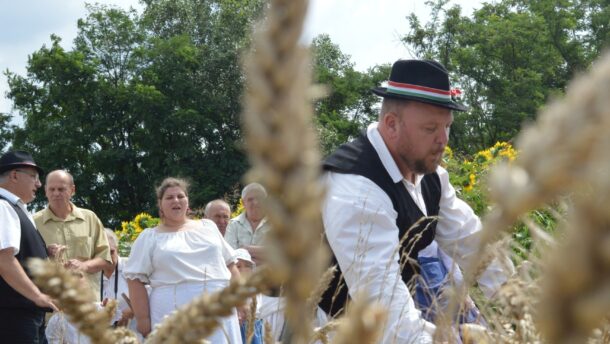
180 259
248 229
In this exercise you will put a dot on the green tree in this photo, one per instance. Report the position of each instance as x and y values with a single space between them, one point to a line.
509 57
139 99
349 106
6 131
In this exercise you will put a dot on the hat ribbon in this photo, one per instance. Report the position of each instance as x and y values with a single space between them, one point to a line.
419 91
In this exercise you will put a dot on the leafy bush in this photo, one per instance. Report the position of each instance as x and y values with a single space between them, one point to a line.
468 176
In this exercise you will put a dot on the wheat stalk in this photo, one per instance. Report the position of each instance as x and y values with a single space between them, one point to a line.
321 333
268 338
73 298
575 289
362 323
251 320
316 295
283 151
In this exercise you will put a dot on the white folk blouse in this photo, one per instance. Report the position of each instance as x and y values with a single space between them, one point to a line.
195 254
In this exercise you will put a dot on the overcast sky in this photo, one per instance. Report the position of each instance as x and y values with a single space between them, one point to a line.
367 30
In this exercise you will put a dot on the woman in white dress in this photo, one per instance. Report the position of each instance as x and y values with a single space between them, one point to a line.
180 259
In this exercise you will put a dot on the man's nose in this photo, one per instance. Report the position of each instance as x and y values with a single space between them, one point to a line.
443 137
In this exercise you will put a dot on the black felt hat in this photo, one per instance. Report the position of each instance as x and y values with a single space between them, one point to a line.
16 159
421 80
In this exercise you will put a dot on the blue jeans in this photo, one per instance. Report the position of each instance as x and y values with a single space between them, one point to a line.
258 331
434 278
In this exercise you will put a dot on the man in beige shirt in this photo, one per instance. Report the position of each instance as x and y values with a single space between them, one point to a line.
72 234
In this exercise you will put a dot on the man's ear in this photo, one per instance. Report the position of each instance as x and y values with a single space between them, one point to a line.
391 122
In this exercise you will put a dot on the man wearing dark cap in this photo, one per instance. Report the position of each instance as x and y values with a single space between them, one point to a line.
383 183
22 305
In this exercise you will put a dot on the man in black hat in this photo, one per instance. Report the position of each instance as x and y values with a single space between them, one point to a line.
22 305
382 184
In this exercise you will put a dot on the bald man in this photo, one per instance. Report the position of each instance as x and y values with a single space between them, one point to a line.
219 212
74 235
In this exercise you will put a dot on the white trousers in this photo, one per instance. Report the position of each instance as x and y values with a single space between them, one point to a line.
166 299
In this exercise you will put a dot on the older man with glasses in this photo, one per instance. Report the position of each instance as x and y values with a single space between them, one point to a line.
22 304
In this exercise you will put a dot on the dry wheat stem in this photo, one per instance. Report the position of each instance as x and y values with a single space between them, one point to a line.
251 320
316 295
565 150
283 151
124 336
321 333
74 299
268 337
361 323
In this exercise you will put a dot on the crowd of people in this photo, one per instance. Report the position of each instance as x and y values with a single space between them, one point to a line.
379 187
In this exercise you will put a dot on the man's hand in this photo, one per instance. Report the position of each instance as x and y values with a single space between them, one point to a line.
76 264
55 250
44 300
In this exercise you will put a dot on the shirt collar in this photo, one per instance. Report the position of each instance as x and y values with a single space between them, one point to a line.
388 162
241 218
11 197
76 213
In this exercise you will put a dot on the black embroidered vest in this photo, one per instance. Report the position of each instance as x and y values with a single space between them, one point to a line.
359 157
32 245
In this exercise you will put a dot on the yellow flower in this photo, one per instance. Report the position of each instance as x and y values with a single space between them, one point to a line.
239 209
483 156
508 154
141 221
448 152
472 178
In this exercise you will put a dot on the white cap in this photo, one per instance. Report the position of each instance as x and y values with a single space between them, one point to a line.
243 254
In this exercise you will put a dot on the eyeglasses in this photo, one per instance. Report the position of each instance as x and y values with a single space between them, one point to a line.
33 175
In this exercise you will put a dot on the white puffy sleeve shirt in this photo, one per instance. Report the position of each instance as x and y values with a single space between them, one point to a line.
198 253
10 227
360 225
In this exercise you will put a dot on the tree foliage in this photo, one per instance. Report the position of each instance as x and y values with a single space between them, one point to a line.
349 106
140 98
509 57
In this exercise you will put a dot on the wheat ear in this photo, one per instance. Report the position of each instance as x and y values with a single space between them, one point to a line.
282 147
74 299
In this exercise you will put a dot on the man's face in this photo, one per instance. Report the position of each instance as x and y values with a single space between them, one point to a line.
58 189
221 215
114 254
423 133
252 204
27 183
